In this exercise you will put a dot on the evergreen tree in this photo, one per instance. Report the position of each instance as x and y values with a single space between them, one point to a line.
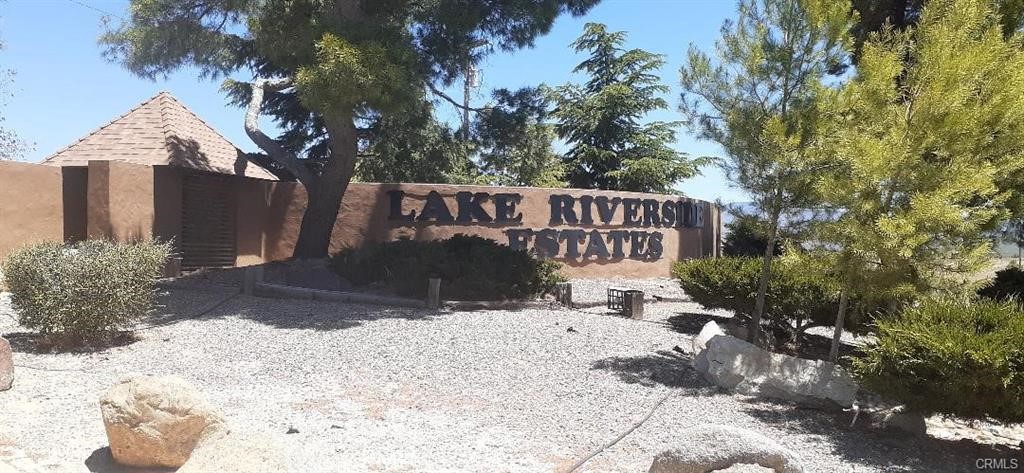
515 144
326 70
600 120
874 15
761 103
415 147
922 137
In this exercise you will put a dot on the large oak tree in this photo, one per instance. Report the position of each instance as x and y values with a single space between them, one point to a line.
326 70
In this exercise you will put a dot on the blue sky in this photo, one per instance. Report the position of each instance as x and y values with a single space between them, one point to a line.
64 88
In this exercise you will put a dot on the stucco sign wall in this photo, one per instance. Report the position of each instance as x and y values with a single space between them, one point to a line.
592 233
638 221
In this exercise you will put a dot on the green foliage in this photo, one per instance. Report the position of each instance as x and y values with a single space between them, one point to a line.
600 120
415 147
337 68
516 145
921 140
759 98
83 289
470 268
746 237
800 290
951 356
875 15
1008 283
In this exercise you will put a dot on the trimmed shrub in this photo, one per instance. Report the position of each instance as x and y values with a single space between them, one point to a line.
951 356
1008 283
799 293
470 268
745 237
83 289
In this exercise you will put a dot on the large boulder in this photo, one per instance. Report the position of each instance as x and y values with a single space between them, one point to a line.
6 365
717 447
156 421
742 367
234 452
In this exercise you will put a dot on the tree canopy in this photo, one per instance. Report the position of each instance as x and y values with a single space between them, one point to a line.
760 99
924 137
326 71
600 119
515 142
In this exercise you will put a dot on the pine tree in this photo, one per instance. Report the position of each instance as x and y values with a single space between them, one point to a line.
761 103
514 141
601 119
922 137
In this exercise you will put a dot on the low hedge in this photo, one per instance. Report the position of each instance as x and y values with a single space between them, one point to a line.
799 292
952 356
470 268
85 288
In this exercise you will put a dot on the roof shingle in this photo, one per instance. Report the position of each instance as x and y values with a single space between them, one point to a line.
160 131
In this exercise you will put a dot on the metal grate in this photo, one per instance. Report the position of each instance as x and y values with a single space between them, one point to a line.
615 297
207 221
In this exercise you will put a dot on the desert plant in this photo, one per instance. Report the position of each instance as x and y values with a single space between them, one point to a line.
470 267
800 294
951 356
83 289
1008 283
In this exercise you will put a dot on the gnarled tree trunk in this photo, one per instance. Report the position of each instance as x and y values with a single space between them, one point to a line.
324 202
323 191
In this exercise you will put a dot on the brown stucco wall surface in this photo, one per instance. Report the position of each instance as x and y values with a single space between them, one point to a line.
121 201
31 205
269 215
167 203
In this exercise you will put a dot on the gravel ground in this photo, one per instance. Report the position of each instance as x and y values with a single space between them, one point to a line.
376 389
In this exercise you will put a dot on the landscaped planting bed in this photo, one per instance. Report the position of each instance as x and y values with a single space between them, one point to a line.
366 388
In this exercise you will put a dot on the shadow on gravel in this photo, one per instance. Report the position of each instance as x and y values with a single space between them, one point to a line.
664 367
183 305
313 315
38 343
690 323
100 461
886 450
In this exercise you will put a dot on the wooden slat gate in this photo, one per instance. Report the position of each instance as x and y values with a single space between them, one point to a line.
207 221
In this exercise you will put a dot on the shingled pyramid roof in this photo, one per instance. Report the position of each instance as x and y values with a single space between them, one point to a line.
160 131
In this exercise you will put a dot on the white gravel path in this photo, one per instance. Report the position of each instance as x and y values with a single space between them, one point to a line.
375 389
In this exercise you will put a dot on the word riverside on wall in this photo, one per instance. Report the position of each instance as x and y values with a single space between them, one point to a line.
585 210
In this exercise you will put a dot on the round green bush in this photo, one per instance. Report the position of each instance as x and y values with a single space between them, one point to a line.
799 296
470 268
951 356
83 289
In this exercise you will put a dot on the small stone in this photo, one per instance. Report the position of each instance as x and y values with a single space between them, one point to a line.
571 330
910 422
292 430
6 365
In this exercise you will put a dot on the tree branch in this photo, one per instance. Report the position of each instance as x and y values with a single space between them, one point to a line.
269 145
452 101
